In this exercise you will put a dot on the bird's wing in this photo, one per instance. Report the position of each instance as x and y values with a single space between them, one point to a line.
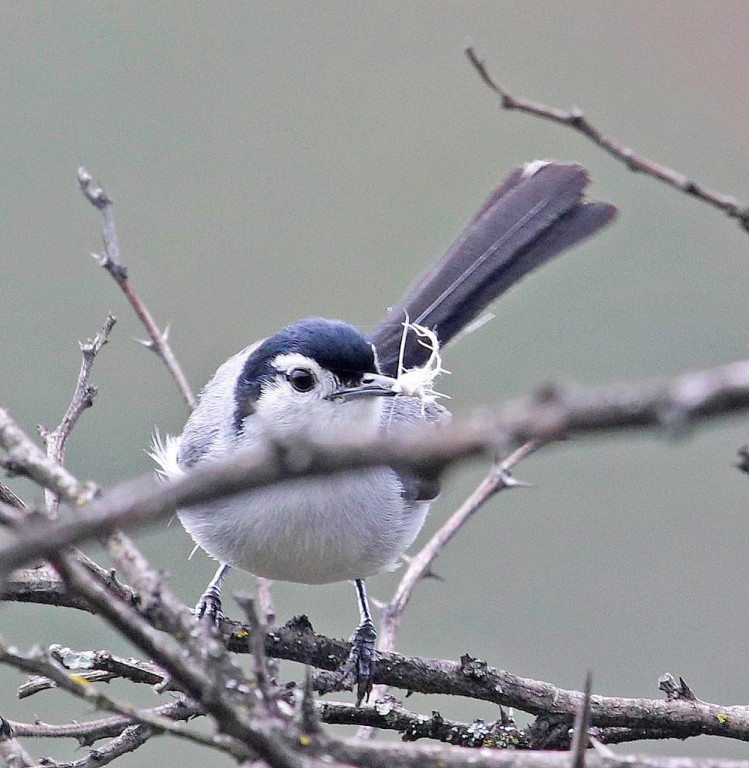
209 430
403 411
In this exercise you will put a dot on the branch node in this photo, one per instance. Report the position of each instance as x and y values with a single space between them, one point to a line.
675 691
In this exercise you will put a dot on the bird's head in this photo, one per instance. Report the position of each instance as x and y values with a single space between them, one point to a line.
313 375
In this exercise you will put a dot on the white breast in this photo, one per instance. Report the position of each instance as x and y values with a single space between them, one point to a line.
293 532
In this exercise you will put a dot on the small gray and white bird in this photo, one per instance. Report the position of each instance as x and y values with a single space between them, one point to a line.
318 375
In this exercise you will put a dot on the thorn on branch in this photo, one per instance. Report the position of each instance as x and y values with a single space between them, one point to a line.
675 692
474 669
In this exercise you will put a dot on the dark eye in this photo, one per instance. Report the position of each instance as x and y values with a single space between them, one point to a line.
301 379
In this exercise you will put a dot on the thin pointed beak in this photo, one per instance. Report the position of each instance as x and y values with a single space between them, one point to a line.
373 385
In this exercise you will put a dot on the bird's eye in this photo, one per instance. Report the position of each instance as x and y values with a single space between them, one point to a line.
301 379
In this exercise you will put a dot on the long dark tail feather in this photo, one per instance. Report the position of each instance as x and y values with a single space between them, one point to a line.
527 220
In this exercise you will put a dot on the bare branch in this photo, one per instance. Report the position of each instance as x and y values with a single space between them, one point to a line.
83 398
498 479
129 740
475 679
257 643
265 601
8 498
555 412
96 666
616 719
40 663
40 585
27 458
389 714
12 752
575 119
580 728
111 260
88 733
382 754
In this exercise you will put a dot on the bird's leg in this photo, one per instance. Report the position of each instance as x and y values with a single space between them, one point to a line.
209 605
359 668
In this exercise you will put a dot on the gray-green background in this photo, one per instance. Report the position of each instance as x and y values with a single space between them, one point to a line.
276 160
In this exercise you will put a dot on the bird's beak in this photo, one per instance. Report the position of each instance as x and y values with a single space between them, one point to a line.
373 385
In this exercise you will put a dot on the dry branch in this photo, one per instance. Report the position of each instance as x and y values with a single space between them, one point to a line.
111 260
575 119
555 412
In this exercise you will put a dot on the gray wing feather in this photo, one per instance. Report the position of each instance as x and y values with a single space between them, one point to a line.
403 411
208 431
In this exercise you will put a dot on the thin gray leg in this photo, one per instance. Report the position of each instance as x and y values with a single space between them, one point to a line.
359 668
209 605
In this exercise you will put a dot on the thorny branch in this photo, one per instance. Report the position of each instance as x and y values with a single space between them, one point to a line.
111 260
575 119
554 412
38 662
498 479
83 398
254 717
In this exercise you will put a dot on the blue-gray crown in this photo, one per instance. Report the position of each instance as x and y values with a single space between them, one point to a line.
333 344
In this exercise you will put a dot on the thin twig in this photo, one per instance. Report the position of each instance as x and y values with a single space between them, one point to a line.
131 738
580 728
575 119
257 643
10 499
97 666
27 458
40 663
111 260
265 601
158 342
83 398
498 479
87 733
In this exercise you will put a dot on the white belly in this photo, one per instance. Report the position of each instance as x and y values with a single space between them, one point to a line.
293 532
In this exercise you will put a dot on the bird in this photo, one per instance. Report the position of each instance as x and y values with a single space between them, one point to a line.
319 375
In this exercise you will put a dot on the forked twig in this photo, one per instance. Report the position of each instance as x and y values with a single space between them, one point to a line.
575 119
111 260
83 398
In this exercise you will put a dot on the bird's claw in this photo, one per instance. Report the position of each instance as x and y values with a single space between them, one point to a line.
208 608
359 669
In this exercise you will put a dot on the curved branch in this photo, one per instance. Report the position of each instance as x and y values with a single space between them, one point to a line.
575 119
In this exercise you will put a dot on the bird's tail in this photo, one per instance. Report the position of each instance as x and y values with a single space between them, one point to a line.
534 214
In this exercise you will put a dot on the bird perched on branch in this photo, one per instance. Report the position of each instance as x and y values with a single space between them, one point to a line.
316 376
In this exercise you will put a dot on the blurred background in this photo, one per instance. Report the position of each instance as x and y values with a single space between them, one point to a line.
271 161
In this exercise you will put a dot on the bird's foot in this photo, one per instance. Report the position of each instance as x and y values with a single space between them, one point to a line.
208 608
359 669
